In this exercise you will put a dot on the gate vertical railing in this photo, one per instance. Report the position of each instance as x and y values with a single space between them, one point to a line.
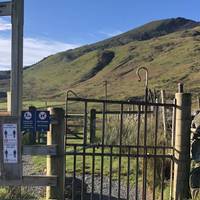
120 165
172 151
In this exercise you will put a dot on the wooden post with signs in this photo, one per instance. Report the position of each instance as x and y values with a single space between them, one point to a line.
10 125
16 72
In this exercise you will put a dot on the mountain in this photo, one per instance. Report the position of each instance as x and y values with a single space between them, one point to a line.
169 48
145 32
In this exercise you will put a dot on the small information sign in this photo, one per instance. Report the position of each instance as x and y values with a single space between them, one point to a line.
42 121
33 121
28 121
10 143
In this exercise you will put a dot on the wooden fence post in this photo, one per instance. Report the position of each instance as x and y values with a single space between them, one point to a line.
56 164
182 145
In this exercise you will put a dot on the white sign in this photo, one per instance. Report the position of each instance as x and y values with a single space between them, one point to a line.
10 143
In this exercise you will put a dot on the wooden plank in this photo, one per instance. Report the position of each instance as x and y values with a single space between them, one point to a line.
5 8
31 181
40 150
4 114
40 180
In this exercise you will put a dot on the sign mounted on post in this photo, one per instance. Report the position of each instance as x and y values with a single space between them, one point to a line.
10 149
33 121
42 121
28 121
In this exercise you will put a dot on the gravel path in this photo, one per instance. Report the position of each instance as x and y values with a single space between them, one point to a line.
97 188
38 192
28 169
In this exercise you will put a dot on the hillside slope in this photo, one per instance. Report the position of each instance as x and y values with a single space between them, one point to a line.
148 31
169 48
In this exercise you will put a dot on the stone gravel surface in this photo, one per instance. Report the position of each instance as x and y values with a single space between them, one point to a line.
28 169
38 192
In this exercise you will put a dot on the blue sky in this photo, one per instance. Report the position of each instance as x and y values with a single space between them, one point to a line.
52 26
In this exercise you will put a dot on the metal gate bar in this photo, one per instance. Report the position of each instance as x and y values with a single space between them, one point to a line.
123 152
137 159
155 151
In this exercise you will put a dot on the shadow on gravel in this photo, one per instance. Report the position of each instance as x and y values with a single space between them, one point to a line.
97 197
77 191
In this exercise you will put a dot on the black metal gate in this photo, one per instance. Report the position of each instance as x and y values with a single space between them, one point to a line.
121 151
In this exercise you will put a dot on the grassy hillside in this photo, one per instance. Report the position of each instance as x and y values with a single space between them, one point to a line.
169 48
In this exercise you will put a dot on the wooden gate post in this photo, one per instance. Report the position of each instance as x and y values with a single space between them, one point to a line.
182 145
56 164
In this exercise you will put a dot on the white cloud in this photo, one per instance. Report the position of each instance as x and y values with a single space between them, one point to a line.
111 34
5 51
37 49
4 25
34 50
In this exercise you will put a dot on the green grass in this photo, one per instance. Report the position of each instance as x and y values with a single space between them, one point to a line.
6 194
173 60
40 165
